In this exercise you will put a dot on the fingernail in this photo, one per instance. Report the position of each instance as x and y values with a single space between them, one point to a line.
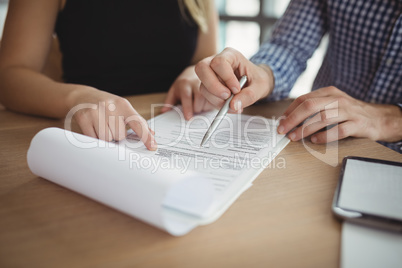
281 129
238 105
225 95
292 136
314 139
235 90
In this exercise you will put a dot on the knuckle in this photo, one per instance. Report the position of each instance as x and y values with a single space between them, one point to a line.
203 64
230 50
121 102
310 105
186 93
330 89
301 99
343 131
183 82
291 118
86 117
342 100
325 118
80 117
337 92
200 65
217 62
251 96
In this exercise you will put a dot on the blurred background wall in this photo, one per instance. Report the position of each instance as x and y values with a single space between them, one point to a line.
3 12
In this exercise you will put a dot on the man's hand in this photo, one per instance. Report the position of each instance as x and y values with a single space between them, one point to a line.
348 117
220 78
186 89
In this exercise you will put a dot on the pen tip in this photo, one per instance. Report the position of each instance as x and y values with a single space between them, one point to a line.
204 140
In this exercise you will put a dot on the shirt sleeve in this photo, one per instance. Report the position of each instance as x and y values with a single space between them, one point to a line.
295 37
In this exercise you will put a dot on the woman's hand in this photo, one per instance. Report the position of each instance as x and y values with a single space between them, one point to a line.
105 116
348 117
186 89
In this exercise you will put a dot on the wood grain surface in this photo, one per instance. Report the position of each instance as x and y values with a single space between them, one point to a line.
283 220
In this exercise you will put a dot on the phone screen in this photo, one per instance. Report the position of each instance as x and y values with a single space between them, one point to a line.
371 187
374 188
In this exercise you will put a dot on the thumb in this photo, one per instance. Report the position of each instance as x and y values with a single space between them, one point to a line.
245 98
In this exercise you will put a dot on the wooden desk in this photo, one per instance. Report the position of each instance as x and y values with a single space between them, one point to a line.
284 220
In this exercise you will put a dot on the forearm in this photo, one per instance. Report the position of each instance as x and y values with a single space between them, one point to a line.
27 91
294 40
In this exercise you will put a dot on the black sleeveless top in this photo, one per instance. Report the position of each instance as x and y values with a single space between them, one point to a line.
125 47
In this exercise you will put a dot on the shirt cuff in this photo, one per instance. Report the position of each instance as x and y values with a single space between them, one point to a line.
283 65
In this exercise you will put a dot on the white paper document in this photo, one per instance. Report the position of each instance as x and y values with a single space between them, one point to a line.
175 188
368 247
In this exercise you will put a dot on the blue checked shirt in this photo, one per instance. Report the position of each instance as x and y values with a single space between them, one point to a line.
364 57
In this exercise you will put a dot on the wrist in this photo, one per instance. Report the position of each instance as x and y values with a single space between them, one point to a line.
389 122
269 79
78 94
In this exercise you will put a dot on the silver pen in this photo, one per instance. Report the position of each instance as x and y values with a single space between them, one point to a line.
221 114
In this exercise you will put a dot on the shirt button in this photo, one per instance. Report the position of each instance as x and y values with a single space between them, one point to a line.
389 62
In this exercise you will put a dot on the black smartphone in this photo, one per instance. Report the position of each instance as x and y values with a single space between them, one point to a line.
369 192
